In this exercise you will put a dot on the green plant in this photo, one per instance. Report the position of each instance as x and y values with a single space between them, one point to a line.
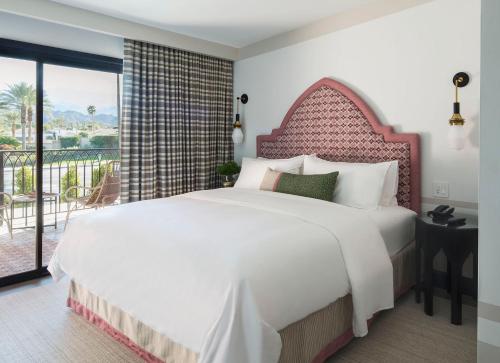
228 169
104 141
68 180
9 140
98 174
24 180
83 134
69 141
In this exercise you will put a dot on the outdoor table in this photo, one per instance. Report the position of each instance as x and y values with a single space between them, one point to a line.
31 198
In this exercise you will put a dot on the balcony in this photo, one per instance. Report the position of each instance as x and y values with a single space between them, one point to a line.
62 168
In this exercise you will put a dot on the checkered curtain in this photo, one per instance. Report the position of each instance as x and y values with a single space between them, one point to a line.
176 121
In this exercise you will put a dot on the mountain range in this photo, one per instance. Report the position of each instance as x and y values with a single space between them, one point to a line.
76 116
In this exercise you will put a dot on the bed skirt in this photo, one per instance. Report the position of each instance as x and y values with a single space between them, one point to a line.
312 339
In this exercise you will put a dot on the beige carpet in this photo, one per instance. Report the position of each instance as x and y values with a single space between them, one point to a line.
35 326
406 334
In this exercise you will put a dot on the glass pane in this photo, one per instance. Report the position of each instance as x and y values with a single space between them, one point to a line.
17 166
80 138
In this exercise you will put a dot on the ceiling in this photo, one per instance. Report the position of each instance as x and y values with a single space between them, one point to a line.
235 23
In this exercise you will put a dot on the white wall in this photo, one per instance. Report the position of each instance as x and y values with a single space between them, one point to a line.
489 194
402 65
41 32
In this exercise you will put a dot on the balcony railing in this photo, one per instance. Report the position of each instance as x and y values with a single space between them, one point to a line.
62 168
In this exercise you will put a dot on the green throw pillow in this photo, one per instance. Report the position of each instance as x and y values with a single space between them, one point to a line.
318 186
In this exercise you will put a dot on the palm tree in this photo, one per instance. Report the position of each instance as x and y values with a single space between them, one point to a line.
91 110
4 112
16 98
22 98
30 102
11 119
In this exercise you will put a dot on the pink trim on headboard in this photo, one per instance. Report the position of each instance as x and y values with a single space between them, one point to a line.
331 120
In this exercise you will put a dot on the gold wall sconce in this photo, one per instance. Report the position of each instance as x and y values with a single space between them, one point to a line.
456 134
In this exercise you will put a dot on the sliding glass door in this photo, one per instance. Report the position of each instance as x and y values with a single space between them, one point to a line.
80 138
58 130
18 208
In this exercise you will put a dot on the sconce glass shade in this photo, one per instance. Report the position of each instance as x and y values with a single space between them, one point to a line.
456 137
237 135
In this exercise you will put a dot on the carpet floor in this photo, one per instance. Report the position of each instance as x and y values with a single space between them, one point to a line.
36 326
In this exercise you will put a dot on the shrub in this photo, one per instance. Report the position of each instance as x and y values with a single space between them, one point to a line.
98 174
24 180
83 134
104 141
69 141
228 169
9 140
68 180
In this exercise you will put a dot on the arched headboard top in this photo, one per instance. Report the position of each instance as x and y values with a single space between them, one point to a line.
332 121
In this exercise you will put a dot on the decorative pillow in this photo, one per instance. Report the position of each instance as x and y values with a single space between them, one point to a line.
319 186
253 170
359 185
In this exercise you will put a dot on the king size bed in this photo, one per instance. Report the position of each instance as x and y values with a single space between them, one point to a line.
246 275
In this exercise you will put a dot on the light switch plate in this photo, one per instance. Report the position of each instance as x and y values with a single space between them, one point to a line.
440 189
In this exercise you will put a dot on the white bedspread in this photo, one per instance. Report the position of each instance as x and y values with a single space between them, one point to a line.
221 271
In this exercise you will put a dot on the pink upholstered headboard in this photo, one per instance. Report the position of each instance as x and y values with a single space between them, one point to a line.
329 119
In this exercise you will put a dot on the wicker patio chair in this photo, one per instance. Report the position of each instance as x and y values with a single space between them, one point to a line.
5 206
102 195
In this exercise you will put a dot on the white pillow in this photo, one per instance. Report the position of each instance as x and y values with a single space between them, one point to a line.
391 185
359 185
301 170
253 170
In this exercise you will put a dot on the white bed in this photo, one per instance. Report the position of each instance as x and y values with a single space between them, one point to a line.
234 275
396 225
251 271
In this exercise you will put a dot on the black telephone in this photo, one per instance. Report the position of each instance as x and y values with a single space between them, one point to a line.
441 214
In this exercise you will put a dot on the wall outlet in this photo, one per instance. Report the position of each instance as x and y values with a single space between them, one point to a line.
440 189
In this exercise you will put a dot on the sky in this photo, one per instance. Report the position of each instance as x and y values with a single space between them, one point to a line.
67 88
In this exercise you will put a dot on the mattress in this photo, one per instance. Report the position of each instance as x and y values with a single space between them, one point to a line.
396 225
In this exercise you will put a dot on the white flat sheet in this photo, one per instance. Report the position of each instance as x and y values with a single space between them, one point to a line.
222 271
396 225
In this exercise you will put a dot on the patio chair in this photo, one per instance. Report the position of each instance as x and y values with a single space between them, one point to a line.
102 195
5 206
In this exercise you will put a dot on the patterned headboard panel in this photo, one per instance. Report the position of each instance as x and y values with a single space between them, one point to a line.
329 119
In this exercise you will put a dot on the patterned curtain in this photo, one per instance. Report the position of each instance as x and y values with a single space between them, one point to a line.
176 122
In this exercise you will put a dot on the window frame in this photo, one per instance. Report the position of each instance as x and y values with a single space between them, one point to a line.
41 55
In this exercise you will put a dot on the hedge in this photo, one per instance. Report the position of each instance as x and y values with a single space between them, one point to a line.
69 141
104 141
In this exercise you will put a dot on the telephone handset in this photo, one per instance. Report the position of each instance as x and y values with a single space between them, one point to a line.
441 213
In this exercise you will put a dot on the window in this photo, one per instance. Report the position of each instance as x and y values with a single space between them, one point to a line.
59 120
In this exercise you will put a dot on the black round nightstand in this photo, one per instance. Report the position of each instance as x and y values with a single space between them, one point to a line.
457 244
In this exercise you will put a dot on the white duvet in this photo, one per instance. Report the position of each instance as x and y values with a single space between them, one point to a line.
221 271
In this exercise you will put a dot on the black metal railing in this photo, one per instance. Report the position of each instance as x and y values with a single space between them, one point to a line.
62 169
